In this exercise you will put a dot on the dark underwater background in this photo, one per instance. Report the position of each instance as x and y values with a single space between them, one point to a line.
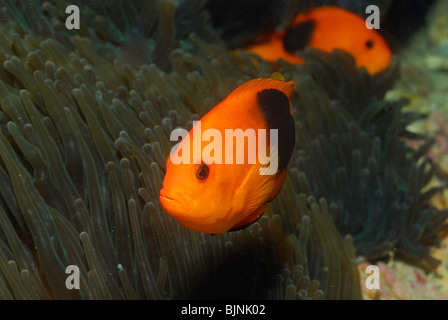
85 120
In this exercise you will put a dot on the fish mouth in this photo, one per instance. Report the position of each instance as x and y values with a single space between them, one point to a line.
173 203
165 196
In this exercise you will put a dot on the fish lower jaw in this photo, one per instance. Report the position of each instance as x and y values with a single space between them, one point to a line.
173 205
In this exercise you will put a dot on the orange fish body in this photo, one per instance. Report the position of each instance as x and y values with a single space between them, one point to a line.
212 197
327 28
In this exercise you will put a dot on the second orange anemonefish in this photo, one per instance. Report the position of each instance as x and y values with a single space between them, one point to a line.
215 197
326 28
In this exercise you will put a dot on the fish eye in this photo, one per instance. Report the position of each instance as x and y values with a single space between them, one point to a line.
369 44
202 172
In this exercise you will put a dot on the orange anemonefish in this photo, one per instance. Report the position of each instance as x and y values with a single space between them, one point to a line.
327 28
214 197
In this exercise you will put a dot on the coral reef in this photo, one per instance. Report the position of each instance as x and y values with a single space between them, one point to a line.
85 121
400 281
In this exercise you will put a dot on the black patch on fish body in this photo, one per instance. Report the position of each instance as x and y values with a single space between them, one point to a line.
275 108
298 36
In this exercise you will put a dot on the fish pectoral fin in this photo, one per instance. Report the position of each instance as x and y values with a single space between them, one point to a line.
256 189
253 217
254 192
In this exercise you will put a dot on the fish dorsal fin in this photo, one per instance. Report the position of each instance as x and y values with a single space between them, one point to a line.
260 84
299 36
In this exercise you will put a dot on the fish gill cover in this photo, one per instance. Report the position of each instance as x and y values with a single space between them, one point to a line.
85 122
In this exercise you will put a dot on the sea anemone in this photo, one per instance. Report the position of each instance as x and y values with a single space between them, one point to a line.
85 122
84 140
352 151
